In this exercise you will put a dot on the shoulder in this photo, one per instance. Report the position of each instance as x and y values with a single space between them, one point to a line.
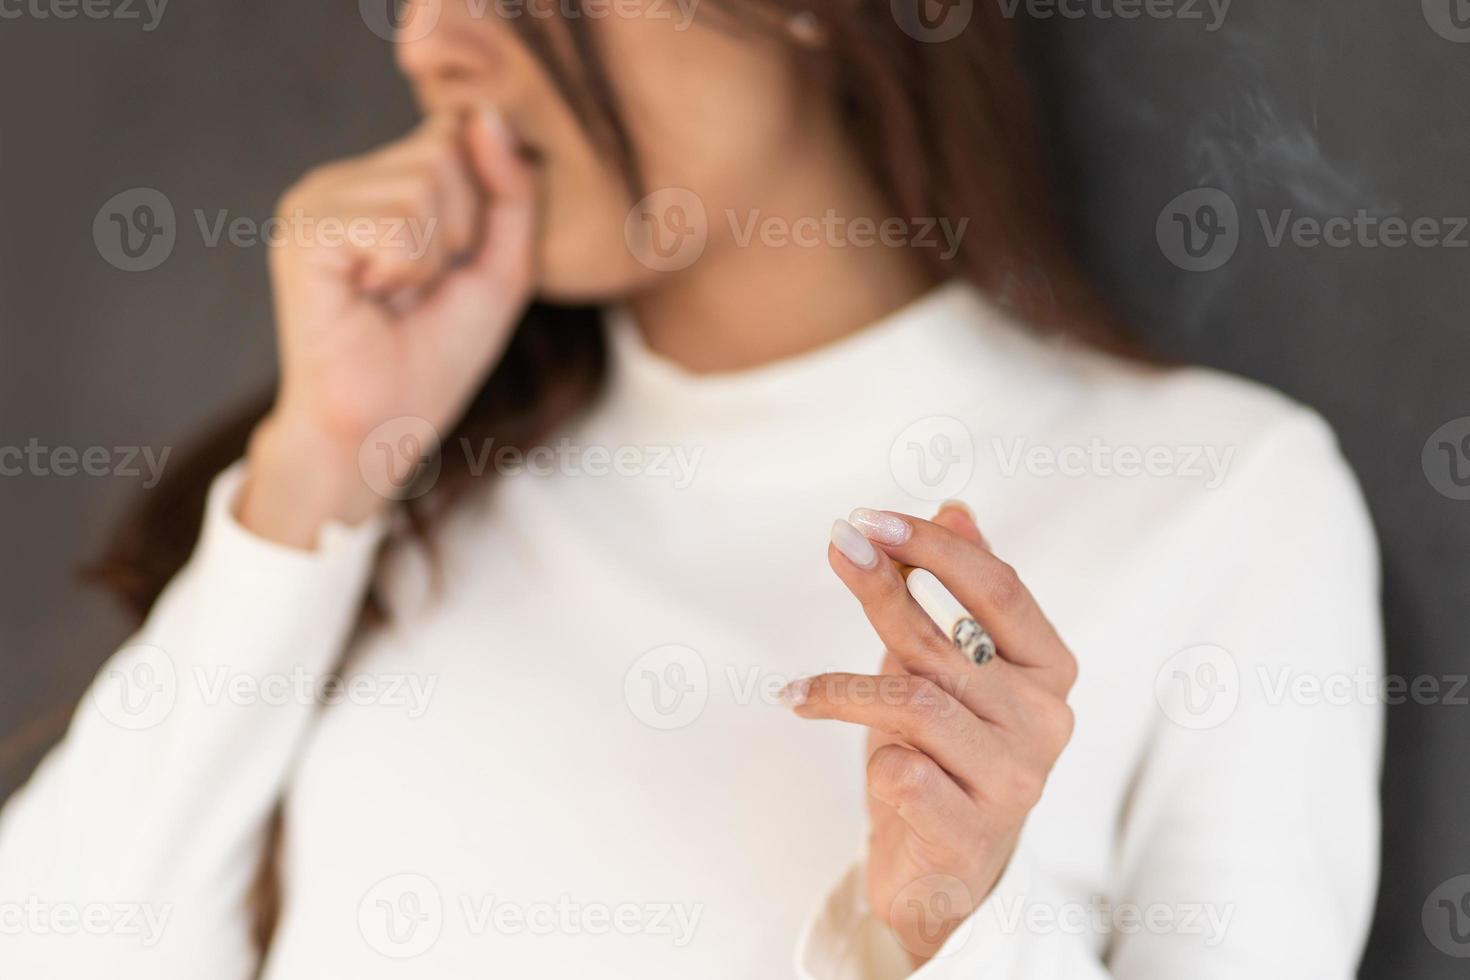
1263 441
1198 466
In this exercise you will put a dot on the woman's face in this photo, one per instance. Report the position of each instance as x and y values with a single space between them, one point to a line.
710 110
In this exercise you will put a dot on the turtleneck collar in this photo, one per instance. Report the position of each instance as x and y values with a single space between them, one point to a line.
951 339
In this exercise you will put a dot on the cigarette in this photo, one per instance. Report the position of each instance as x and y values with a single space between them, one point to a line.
948 613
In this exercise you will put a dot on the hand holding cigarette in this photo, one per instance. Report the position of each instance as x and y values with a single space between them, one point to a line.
959 750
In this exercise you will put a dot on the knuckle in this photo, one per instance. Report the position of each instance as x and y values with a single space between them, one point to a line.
1004 586
446 167
889 590
926 699
420 197
1061 722
1024 785
1067 670
900 776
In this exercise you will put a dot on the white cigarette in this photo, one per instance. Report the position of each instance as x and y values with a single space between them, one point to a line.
950 615
936 600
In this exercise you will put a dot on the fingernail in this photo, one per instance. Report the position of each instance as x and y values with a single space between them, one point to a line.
880 526
959 505
850 541
492 119
795 693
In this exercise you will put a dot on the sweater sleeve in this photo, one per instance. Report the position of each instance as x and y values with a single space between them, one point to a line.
131 851
1248 845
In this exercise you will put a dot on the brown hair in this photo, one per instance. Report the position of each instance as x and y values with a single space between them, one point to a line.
948 128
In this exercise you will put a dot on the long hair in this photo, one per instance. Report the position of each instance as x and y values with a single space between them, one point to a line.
948 128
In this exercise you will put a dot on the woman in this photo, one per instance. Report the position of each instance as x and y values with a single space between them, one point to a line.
578 719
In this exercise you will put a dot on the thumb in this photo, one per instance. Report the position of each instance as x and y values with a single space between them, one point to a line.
499 274
508 225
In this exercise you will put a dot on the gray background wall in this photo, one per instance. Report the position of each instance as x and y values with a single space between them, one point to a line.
1323 109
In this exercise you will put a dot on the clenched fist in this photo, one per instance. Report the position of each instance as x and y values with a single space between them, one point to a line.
398 308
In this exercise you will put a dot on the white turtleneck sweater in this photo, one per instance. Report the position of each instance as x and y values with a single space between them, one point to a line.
567 758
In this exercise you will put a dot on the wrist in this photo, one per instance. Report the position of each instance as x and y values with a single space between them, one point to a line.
299 479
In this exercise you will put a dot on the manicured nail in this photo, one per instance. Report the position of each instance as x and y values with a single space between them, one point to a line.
959 505
495 122
795 693
882 527
850 541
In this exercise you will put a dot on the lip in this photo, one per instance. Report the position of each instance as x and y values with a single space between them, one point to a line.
530 153
526 148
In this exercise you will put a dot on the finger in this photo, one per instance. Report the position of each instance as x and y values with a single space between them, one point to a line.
923 795
437 150
510 213
915 709
903 626
915 641
988 587
408 227
957 516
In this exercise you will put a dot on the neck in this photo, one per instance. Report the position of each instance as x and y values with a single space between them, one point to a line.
752 297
